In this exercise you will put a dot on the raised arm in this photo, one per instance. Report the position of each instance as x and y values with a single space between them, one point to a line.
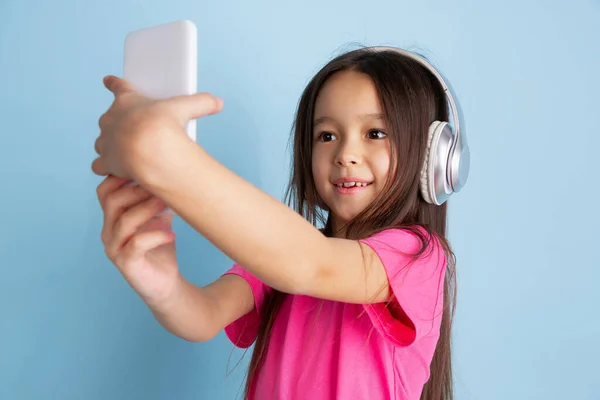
146 140
259 232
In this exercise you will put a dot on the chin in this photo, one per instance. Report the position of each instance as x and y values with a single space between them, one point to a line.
345 213
344 217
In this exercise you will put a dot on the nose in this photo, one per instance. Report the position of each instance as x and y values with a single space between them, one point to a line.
349 153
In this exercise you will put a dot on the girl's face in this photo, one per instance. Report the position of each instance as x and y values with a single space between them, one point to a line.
351 150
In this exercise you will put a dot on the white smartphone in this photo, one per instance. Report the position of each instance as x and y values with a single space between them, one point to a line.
161 61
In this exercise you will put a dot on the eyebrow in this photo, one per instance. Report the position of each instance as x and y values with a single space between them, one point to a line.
324 119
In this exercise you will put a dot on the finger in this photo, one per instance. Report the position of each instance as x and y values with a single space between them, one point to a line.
132 219
103 120
138 245
110 184
98 167
196 105
117 203
98 145
117 85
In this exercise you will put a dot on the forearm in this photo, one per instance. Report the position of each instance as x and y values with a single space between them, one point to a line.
189 315
259 232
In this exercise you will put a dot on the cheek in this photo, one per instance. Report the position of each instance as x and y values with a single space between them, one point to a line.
320 173
319 164
381 164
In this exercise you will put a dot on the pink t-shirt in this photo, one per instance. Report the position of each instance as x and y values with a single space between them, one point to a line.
321 349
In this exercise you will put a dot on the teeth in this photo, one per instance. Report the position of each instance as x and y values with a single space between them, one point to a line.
351 184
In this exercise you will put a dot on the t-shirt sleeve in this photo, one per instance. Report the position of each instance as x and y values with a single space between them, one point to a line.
244 331
417 286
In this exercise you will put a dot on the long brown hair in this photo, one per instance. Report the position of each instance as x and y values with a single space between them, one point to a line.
411 98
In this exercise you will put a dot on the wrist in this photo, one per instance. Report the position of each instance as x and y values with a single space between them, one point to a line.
172 299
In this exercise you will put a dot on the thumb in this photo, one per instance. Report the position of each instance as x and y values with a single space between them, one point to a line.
117 85
196 105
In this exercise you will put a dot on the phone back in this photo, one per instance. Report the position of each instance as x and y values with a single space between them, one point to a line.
161 61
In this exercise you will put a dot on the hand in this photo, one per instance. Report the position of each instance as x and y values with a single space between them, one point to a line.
138 242
133 121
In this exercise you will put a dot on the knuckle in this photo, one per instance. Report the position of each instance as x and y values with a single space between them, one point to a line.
99 190
97 144
110 253
105 237
135 244
103 189
103 120
100 193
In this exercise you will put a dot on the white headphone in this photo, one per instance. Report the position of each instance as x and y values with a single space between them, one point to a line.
447 161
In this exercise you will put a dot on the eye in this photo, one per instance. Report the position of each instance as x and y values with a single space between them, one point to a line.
326 137
376 134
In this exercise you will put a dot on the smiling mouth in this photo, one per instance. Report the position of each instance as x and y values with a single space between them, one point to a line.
352 184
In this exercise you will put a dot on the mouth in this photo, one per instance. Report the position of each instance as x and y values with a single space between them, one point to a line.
351 184
351 187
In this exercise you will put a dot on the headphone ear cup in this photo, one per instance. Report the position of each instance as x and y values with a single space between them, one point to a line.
427 185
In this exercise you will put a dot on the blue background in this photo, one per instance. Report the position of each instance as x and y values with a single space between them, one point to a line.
524 228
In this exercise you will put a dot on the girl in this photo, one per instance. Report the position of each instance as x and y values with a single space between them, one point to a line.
359 309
